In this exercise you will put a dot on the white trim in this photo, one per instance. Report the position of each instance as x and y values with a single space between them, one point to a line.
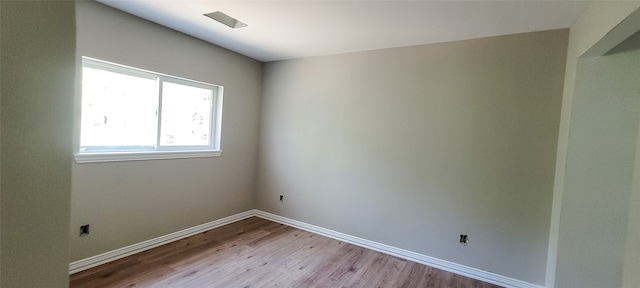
135 156
401 253
103 258
466 271
119 68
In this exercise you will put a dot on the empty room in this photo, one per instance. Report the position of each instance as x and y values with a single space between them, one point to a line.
320 144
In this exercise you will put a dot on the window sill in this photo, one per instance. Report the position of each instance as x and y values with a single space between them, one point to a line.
140 156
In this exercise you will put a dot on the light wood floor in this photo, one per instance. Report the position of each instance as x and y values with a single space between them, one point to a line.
259 253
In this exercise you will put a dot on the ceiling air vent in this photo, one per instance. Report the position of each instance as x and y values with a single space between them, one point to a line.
225 19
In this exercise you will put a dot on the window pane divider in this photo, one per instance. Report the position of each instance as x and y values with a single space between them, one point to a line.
159 113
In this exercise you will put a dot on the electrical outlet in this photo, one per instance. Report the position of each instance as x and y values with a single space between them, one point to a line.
464 239
84 230
281 198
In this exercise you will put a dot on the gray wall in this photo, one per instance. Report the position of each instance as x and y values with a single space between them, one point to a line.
592 29
631 253
129 202
0 148
413 146
37 54
631 277
599 171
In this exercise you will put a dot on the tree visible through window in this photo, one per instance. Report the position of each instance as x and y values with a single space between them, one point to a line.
186 115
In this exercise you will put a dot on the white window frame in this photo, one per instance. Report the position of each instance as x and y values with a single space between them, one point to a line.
157 152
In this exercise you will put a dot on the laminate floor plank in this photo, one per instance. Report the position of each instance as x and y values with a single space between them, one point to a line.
255 252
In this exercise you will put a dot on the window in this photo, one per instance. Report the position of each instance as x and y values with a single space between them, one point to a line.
132 114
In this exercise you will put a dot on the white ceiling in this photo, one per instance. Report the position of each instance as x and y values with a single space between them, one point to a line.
298 28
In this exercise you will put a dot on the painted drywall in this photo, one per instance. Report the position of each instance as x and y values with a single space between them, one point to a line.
0 150
631 277
413 146
599 172
37 57
594 23
129 202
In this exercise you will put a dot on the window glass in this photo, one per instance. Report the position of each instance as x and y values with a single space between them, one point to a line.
186 114
128 111
117 110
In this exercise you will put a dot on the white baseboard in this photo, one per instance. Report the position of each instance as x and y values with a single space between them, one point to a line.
470 272
401 253
103 258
